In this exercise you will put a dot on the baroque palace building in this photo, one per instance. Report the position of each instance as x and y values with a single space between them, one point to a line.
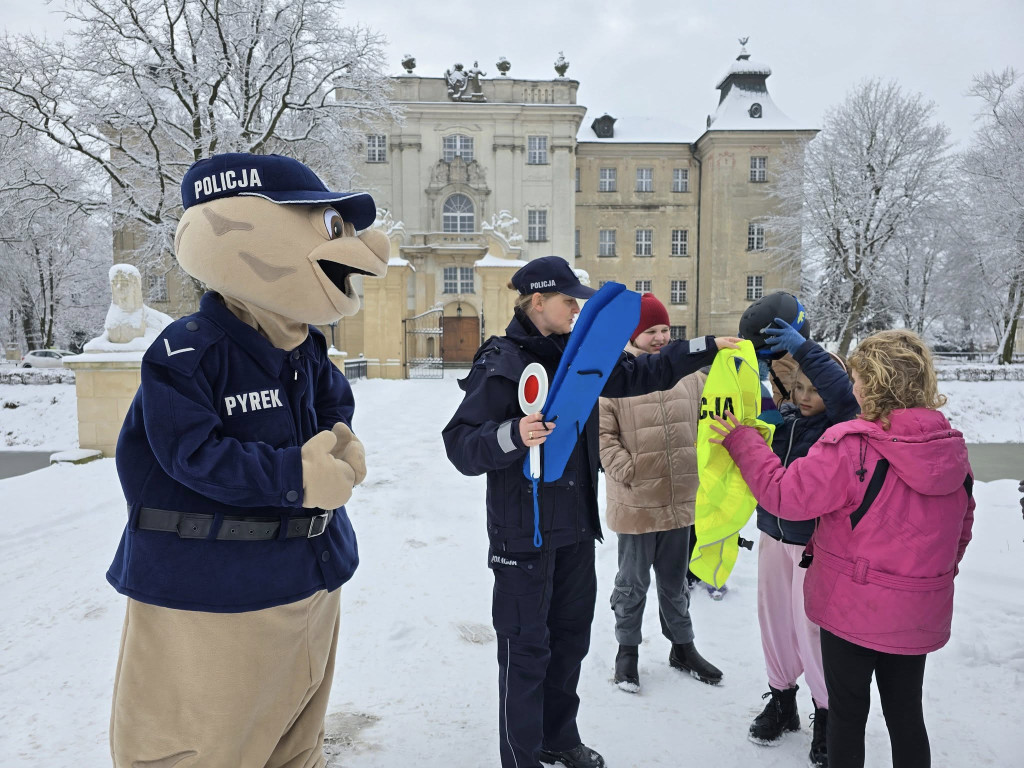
483 174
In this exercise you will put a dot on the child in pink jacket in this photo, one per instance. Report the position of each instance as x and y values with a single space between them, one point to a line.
892 491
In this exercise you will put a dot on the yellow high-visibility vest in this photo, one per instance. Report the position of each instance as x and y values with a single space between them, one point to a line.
724 502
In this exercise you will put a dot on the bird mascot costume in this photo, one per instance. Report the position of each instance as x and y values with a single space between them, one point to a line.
236 459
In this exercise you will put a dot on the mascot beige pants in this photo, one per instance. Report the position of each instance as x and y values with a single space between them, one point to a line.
224 690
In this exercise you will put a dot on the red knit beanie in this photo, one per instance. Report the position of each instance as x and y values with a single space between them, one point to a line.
652 312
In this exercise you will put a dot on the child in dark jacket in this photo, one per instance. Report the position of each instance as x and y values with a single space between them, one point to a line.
822 395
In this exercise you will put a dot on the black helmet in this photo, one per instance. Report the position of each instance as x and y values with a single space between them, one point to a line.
763 312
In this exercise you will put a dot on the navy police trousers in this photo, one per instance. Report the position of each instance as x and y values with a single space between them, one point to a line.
542 610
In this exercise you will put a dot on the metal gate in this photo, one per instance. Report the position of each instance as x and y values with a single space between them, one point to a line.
423 335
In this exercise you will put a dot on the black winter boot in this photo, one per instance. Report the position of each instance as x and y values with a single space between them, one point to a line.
778 716
819 747
685 657
627 677
580 756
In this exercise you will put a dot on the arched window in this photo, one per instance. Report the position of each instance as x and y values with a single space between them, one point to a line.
457 214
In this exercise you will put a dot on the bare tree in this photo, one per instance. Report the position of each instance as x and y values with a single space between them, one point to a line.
140 89
53 253
877 162
994 230
923 275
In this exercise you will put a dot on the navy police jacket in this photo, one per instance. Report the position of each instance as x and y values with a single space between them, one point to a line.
795 436
216 428
483 435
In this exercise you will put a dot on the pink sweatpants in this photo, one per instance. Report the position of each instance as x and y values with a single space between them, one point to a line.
790 640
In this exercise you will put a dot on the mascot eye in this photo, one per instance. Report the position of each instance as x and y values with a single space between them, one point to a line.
334 223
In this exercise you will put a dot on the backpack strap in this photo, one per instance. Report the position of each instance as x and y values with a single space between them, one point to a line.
874 486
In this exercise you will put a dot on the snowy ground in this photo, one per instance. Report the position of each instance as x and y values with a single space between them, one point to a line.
416 681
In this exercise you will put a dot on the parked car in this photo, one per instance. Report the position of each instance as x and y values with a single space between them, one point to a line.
45 358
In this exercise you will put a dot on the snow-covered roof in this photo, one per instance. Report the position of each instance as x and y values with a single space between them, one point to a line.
745 104
745 67
490 260
634 129
735 114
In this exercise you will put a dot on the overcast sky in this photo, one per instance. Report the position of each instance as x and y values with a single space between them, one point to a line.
663 58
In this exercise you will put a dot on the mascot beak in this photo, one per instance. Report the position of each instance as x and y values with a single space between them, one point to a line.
339 259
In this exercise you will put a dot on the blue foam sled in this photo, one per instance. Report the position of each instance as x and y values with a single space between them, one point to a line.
595 344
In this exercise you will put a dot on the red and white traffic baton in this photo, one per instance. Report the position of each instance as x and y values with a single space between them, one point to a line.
533 391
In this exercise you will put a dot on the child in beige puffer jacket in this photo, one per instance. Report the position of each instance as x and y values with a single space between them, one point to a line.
650 463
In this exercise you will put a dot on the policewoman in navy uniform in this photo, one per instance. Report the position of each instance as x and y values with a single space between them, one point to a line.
236 458
543 600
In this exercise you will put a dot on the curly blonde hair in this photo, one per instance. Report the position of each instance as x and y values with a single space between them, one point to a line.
896 370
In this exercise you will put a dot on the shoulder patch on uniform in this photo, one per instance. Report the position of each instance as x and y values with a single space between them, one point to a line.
181 345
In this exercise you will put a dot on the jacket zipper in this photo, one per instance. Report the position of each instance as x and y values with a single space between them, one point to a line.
668 455
785 463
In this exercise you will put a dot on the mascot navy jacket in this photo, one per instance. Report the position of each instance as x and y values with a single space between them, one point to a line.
483 435
216 428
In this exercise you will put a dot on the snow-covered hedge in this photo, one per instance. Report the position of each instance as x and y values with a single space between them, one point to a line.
36 376
980 372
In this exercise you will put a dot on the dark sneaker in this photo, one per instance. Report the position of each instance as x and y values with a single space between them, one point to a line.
627 677
778 716
580 756
819 748
717 593
685 657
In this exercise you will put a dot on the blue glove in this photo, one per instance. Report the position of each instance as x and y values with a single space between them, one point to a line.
785 338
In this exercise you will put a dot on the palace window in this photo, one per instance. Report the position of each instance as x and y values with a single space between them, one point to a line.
681 181
644 179
537 150
755 287
678 293
606 242
643 286
376 148
758 169
536 226
457 145
680 242
457 215
676 332
157 290
607 181
458 280
644 242
755 236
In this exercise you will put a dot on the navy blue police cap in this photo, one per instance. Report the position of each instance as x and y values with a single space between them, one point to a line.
550 274
273 177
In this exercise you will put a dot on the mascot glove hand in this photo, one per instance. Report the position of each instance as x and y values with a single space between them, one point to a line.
326 481
350 450
783 336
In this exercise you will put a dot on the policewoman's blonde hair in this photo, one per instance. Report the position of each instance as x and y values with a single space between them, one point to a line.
523 300
896 370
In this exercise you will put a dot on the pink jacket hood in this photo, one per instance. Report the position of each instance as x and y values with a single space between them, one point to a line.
921 447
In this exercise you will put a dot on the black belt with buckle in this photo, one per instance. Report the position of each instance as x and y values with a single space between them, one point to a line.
193 525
